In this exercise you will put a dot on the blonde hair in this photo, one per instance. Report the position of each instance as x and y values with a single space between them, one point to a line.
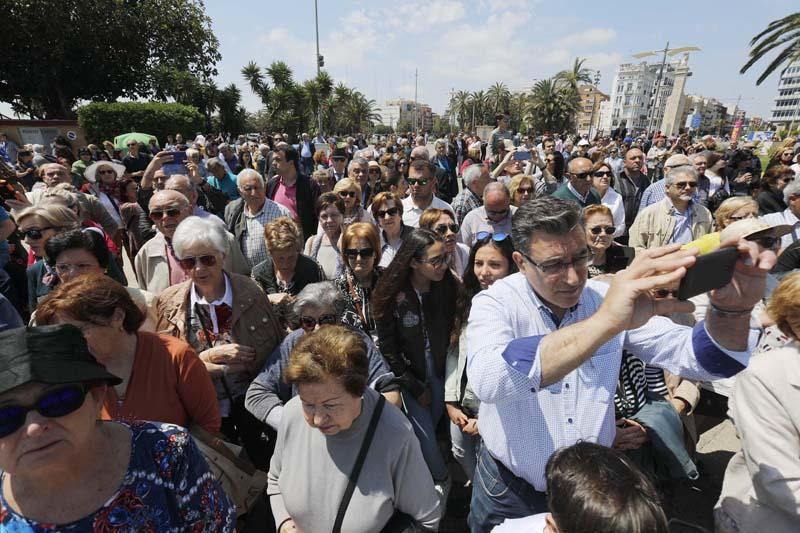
784 304
730 206
347 184
58 217
281 234
515 183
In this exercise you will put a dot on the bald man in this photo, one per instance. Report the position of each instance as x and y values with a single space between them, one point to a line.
156 265
494 216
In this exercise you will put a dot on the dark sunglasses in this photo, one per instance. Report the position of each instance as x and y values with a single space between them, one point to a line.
485 235
581 175
769 243
441 229
54 403
664 293
188 263
132 144
309 322
33 234
352 253
421 182
525 190
392 211
158 215
600 174
598 229
347 194
685 185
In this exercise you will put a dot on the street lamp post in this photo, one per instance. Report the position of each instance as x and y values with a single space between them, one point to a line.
319 60
594 100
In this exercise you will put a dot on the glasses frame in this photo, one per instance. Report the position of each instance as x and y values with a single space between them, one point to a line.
190 263
560 267
23 410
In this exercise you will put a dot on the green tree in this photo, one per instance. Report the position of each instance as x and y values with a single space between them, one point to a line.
460 107
232 116
98 50
518 103
478 103
498 97
785 31
575 76
551 106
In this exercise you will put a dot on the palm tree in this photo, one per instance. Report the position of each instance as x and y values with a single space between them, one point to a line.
517 105
777 33
551 106
477 101
575 76
498 96
460 107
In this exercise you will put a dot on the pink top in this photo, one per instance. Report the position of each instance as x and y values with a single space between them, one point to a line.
287 197
176 273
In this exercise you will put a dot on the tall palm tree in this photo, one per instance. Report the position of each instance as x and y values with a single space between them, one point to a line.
459 106
477 102
575 76
517 105
777 33
551 107
498 96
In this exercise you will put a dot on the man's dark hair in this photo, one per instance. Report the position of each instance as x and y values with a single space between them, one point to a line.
593 488
548 214
420 165
79 239
290 154
498 117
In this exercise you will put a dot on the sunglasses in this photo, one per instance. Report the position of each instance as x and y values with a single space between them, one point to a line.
33 234
352 253
581 175
664 293
374 171
420 182
309 322
598 229
188 263
54 403
769 243
392 211
599 174
436 262
158 215
132 144
441 229
525 190
685 185
347 194
485 235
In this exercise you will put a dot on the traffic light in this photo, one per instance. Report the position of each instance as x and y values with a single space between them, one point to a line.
321 60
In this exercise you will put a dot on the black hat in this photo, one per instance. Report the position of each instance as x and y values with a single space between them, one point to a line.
339 153
48 354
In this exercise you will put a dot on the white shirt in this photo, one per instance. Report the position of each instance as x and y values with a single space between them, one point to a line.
477 221
784 217
411 213
521 422
612 200
529 524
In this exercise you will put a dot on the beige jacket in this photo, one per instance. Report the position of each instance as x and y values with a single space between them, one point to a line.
152 267
761 490
654 224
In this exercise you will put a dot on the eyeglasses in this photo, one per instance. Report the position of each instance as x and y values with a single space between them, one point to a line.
598 229
742 217
392 211
484 235
421 182
54 403
497 214
769 243
441 229
65 268
600 174
374 171
664 293
685 185
365 253
581 175
553 268
309 322
188 263
33 234
525 190
347 194
132 144
158 215
436 262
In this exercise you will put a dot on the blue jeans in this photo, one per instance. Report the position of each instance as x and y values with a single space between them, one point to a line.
307 165
465 449
424 421
498 494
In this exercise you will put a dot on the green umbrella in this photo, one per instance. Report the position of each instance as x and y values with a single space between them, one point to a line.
121 141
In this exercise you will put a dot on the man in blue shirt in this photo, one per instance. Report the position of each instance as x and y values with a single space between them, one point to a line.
544 348
221 179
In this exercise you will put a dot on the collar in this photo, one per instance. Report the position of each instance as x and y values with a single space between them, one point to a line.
477 198
227 298
257 213
789 216
577 194
672 210
541 306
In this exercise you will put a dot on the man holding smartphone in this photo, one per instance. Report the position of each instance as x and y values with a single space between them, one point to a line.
544 347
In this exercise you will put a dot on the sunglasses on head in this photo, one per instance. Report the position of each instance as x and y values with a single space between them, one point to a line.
188 263
485 235
441 229
347 194
54 403
598 229
158 215
33 234
421 182
309 322
392 211
352 253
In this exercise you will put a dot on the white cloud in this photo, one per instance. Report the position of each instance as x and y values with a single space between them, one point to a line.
590 37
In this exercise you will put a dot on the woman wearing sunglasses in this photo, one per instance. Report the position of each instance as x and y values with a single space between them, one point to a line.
522 188
65 471
387 210
603 182
361 254
608 257
441 222
226 318
489 260
349 191
415 304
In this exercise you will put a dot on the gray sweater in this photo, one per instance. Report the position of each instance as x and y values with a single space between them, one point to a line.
309 473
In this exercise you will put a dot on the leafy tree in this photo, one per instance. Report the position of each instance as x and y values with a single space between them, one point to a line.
104 121
551 106
98 50
778 32
460 107
575 76
478 103
232 116
498 97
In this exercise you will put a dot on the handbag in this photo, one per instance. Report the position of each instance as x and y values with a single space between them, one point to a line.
399 522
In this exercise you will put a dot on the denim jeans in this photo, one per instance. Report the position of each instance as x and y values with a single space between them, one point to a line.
498 494
424 421
465 449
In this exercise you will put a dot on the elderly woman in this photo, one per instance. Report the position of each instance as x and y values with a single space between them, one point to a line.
361 255
387 210
323 430
324 246
441 222
734 209
103 183
323 179
415 304
225 317
770 199
65 471
760 485
608 257
473 156
162 378
350 192
79 252
602 182
319 304
36 225
521 188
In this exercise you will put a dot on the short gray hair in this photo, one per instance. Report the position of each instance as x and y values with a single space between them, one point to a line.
549 215
683 170
195 230
495 186
249 173
191 153
693 157
214 162
791 189
421 152
473 173
323 295
357 162
439 142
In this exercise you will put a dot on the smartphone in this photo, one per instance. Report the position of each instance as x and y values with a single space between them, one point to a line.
710 271
173 168
178 158
522 155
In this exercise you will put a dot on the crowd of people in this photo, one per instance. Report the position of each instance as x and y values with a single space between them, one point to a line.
322 333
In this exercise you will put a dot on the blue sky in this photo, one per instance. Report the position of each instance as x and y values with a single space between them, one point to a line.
376 45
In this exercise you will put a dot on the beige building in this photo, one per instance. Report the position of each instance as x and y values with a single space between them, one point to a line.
588 117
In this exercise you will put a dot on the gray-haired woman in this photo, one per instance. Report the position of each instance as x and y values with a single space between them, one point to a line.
226 317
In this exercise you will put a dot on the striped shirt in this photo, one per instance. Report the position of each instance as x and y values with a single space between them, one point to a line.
254 247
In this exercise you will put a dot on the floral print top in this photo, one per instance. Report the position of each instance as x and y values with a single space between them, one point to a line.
167 488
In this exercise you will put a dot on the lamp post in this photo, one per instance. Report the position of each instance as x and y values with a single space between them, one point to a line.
319 65
594 100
